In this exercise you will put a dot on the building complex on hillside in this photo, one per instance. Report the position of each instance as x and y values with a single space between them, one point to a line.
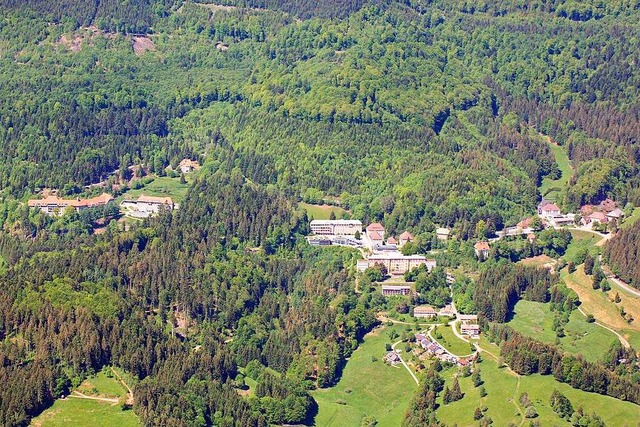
53 205
146 206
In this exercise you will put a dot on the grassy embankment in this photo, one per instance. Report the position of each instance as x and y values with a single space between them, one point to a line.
367 387
504 388
76 411
321 211
553 189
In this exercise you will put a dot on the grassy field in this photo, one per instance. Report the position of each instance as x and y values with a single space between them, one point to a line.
503 392
631 219
553 189
321 211
74 411
601 305
534 319
451 342
103 384
164 187
367 387
82 412
581 240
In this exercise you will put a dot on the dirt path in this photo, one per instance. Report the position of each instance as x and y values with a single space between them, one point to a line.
382 318
130 393
622 339
405 363
76 394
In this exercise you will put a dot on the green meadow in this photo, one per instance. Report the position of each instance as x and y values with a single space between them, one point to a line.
321 211
368 387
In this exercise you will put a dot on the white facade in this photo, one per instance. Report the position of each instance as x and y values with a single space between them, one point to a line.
397 264
336 227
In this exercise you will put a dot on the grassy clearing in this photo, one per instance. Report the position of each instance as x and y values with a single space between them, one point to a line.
321 211
367 387
534 319
581 241
504 388
602 307
84 412
554 189
164 187
631 219
103 384
451 342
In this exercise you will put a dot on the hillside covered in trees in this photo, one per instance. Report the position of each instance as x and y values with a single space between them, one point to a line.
415 113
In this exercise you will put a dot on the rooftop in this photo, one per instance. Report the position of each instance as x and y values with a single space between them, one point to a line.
336 222
376 226
481 246
406 236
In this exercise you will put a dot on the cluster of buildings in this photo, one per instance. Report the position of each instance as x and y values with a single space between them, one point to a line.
603 213
428 312
145 206
435 349
349 232
53 205
550 213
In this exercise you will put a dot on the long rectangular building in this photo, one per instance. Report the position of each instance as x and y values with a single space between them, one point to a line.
53 205
397 264
335 227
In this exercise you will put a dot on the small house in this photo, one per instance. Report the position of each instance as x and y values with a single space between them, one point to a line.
405 238
471 330
482 249
442 233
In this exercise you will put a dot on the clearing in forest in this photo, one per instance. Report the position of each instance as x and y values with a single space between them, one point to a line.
553 189
321 211
368 386
96 402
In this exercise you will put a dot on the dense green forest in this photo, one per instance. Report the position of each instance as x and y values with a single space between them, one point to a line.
416 113
622 255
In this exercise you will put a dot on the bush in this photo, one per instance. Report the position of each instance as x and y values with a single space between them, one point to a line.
590 318
531 412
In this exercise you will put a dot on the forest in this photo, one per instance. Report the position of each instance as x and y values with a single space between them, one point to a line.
622 255
419 114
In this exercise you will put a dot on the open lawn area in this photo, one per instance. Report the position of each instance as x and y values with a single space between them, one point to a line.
321 211
367 387
581 241
600 304
534 319
553 189
164 187
631 219
503 394
83 412
78 411
451 342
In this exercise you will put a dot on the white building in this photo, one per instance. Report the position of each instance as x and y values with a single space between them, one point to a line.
397 264
146 206
336 227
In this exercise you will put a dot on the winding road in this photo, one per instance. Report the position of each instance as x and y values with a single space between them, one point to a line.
405 363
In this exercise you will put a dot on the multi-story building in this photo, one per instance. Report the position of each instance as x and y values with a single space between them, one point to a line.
397 264
53 205
336 227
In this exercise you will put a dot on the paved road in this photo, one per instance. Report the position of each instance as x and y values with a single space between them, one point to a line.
405 363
